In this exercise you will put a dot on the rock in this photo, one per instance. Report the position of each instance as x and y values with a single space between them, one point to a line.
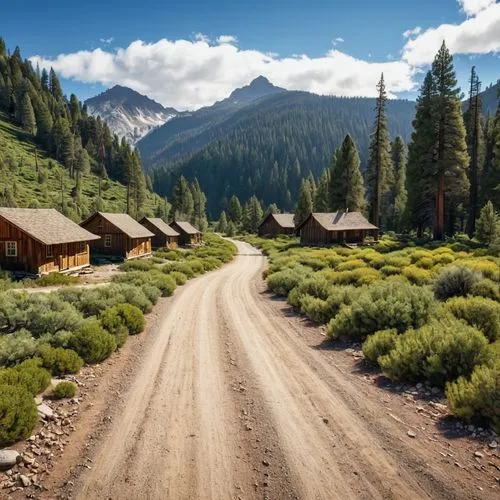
265 463
478 454
435 390
9 458
493 445
45 411
419 386
26 481
38 400
412 434
325 420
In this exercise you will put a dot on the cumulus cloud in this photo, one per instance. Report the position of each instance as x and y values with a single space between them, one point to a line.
473 7
476 35
412 32
226 39
106 41
190 74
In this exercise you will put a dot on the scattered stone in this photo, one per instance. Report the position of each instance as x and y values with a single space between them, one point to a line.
493 445
325 420
38 400
265 463
435 390
412 434
478 454
25 480
45 411
9 458
248 427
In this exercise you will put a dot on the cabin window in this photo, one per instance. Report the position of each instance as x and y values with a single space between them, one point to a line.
83 247
49 251
11 248
107 240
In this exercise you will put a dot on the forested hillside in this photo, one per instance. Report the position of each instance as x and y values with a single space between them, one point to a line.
87 162
267 147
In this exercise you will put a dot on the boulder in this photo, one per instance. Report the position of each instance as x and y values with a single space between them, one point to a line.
45 411
9 458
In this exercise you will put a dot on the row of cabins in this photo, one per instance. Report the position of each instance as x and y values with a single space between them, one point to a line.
321 229
41 241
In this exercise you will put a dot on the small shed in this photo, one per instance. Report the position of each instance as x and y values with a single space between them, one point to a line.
188 234
276 224
164 235
337 228
41 241
121 235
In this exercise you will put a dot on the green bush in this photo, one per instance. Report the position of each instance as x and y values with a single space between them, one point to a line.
92 342
29 374
18 414
16 347
283 281
477 397
180 278
417 275
438 352
482 313
197 266
383 306
182 267
137 265
123 317
379 344
390 270
55 279
455 281
59 361
486 288
64 390
151 292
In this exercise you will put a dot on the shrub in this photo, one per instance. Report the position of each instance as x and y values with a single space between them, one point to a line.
477 397
64 390
455 281
379 344
92 342
123 316
380 307
182 267
488 268
18 414
29 374
350 265
315 309
390 270
283 281
196 266
440 351
16 347
356 277
486 288
59 361
137 265
417 275
482 313
180 278
151 293
55 279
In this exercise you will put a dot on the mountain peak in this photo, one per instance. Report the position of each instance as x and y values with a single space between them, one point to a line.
257 88
260 81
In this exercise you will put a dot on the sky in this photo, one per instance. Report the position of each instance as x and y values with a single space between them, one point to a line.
190 54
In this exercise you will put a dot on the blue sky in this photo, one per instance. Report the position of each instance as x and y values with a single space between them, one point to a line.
326 47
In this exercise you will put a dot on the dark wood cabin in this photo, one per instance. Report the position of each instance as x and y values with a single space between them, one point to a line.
188 234
164 235
276 224
338 228
42 241
121 236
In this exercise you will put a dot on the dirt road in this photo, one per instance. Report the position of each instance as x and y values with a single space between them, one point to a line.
229 401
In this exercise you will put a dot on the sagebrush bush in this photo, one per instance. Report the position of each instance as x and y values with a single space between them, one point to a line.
55 279
182 267
379 344
64 390
417 275
438 352
455 281
477 397
488 268
28 374
16 347
282 282
197 266
486 288
180 278
151 293
137 265
383 306
123 316
482 313
18 413
350 265
59 361
92 342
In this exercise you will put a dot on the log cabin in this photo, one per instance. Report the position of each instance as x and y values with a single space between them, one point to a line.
41 241
164 235
276 224
337 228
188 234
121 236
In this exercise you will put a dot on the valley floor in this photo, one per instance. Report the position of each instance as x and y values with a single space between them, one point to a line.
229 395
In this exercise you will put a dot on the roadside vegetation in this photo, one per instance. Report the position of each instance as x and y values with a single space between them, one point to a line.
424 313
54 334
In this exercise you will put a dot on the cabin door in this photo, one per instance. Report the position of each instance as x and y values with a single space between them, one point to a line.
64 264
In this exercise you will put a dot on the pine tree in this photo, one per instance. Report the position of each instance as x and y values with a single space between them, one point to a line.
346 181
252 215
488 224
44 125
491 174
304 203
399 194
182 200
55 86
379 173
235 212
199 217
27 115
231 229
44 80
222 224
321 202
272 209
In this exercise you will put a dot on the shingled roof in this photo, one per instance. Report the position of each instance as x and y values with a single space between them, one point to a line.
186 227
341 221
161 225
125 224
284 220
46 225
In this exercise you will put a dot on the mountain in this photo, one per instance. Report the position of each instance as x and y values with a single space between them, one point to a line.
128 113
264 147
489 99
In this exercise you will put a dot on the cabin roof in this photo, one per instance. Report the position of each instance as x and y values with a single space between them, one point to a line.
186 227
46 225
341 221
285 221
161 225
125 224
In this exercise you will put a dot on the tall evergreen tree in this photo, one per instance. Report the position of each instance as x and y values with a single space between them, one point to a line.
399 194
346 183
55 86
222 224
491 174
304 203
379 173
44 125
182 200
199 217
321 201
252 214
27 115
235 212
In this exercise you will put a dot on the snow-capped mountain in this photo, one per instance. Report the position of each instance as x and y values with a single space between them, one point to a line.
128 113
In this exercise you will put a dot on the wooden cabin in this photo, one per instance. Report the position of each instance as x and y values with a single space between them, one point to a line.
276 224
188 234
121 236
337 228
42 241
164 235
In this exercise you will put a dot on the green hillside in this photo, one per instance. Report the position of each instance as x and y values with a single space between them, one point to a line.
21 185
